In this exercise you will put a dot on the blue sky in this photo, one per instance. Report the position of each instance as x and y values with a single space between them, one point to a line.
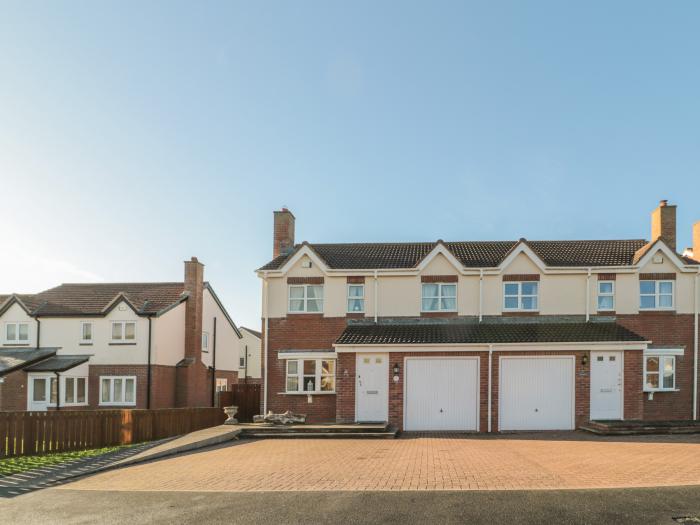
134 135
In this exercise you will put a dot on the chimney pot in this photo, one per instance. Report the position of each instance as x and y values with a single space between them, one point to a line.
663 224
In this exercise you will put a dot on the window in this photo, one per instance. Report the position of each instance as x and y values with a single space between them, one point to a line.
439 297
520 295
606 295
656 295
241 359
659 373
306 298
356 297
221 384
86 332
17 333
310 375
117 390
205 341
123 331
75 391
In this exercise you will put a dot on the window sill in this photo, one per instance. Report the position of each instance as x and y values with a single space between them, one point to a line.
438 311
85 344
306 393
117 404
304 313
657 309
122 344
660 390
10 343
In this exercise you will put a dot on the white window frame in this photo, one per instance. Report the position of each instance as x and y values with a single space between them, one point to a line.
318 375
50 380
440 296
111 391
305 299
221 382
64 390
661 357
123 338
17 339
657 294
601 294
520 296
205 339
355 298
82 332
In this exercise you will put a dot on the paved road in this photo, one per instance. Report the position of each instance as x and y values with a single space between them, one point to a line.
635 506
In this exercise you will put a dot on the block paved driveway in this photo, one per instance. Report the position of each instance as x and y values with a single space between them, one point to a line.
439 462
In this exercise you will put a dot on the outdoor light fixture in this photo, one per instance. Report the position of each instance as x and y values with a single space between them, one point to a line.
584 359
396 371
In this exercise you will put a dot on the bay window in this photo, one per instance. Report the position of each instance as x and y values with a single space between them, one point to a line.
310 375
306 298
439 297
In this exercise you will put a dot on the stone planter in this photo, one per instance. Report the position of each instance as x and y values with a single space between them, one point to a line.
231 414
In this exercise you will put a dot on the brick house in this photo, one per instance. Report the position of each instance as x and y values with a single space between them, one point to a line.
117 345
483 336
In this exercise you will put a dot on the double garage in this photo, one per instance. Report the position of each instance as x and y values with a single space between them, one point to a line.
445 393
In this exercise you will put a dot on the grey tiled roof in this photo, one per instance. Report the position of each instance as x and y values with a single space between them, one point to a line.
473 254
58 363
12 359
454 333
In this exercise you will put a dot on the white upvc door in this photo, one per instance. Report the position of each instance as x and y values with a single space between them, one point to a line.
606 385
372 388
39 392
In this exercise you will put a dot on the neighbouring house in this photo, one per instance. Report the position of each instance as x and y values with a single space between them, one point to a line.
250 363
123 345
483 336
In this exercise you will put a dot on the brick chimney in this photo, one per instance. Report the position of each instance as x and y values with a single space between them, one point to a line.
194 285
192 376
283 241
663 224
696 241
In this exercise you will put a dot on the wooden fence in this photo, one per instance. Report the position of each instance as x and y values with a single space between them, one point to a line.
30 433
246 396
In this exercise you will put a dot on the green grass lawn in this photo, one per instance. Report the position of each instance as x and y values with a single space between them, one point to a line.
23 463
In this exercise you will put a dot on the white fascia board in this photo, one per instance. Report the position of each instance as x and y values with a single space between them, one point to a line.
440 249
310 253
307 355
500 347
664 351
660 245
521 247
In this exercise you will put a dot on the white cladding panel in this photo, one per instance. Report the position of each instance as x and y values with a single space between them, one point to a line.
442 394
536 393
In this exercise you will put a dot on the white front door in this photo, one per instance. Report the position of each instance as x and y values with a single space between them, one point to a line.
372 388
606 385
441 393
40 392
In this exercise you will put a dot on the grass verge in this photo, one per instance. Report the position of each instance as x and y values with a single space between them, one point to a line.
10 466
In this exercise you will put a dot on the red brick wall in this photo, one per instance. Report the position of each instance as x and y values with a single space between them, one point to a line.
667 329
140 371
300 332
13 392
162 386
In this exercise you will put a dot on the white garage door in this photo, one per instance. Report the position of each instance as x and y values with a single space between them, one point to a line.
536 393
442 394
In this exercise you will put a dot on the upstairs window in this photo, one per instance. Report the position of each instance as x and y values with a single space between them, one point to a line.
123 331
205 341
521 296
86 332
606 295
310 375
656 295
306 298
17 333
439 297
356 298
